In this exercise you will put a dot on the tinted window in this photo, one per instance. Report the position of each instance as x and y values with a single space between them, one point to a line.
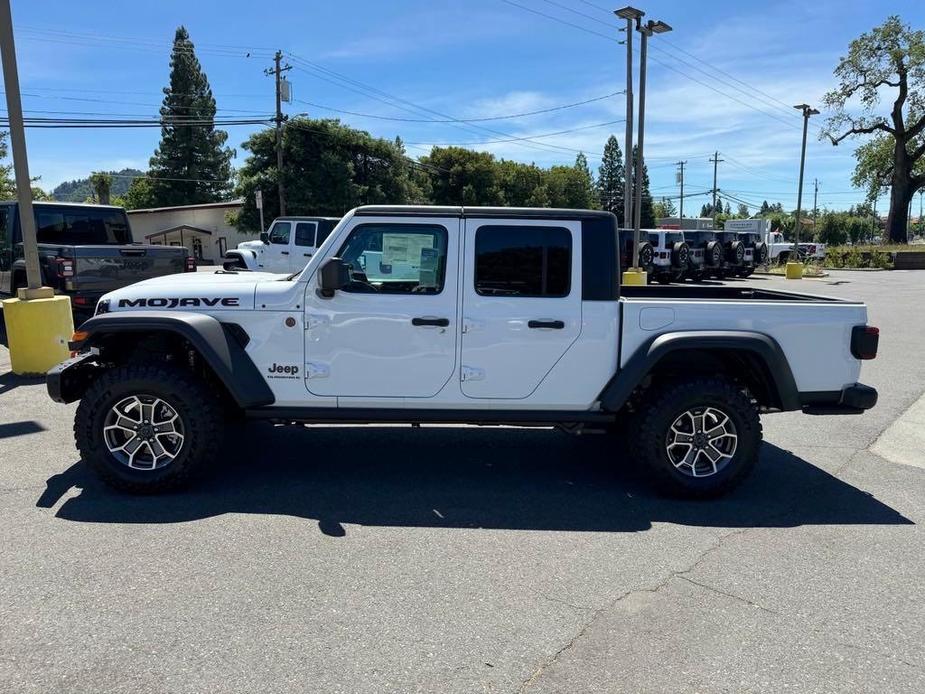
280 232
305 234
653 239
81 225
673 238
698 236
325 227
396 258
523 261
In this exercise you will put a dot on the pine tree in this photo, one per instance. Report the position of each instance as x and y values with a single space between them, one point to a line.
191 165
610 179
586 182
646 211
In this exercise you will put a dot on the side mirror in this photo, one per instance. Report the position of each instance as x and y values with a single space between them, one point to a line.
265 237
334 275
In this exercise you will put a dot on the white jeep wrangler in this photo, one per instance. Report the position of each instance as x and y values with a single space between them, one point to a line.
286 247
457 315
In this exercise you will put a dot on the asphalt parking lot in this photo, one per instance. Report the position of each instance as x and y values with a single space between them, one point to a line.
372 559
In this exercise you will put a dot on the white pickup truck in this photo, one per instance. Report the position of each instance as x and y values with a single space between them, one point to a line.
286 247
457 315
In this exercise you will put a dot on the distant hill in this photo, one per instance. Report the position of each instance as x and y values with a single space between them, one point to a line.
79 190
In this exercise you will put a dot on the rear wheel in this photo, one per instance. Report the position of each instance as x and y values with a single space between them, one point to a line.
146 429
698 438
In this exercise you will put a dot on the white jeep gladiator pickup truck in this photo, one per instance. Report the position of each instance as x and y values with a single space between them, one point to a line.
462 315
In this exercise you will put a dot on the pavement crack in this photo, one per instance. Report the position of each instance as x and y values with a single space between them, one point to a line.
738 598
566 603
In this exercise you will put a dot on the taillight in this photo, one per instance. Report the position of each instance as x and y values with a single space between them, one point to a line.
864 341
64 267
190 263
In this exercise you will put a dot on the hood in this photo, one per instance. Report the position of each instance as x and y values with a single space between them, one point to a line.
203 291
251 246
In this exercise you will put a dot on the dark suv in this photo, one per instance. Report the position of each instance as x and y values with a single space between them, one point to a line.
706 254
756 252
733 254
646 252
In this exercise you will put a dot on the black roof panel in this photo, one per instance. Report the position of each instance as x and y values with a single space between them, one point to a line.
477 212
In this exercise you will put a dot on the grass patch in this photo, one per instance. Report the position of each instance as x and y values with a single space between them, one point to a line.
809 270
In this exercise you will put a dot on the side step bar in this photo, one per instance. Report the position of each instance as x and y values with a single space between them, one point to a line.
364 415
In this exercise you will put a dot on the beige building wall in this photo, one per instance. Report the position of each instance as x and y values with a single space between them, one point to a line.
195 220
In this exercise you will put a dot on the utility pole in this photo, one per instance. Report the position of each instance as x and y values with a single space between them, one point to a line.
629 14
277 71
20 160
681 204
797 268
716 160
815 202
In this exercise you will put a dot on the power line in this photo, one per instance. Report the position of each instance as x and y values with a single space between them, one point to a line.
518 139
484 119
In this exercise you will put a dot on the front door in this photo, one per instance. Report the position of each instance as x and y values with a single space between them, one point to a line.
304 247
275 256
521 303
391 332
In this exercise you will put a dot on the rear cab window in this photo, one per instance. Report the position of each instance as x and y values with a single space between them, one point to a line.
524 261
60 224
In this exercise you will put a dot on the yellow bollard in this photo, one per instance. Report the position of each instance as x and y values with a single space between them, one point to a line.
794 271
635 276
38 331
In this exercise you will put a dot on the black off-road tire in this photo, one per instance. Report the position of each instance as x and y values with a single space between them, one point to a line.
665 403
197 405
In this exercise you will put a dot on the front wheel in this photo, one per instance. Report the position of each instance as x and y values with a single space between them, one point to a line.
146 428
698 438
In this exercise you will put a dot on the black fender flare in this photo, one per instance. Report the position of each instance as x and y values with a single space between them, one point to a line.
220 345
244 256
646 357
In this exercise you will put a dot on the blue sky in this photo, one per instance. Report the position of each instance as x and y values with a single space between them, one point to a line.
724 79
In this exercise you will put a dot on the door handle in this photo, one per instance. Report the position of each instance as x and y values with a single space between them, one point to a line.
284 252
307 255
554 324
437 322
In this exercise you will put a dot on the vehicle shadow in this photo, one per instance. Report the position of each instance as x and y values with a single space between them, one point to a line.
452 477
9 381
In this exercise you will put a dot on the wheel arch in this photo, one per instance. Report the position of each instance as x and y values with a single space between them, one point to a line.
221 346
754 359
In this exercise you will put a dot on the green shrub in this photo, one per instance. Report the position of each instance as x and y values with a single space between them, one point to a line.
858 257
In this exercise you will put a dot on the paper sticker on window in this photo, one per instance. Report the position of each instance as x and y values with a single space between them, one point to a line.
405 249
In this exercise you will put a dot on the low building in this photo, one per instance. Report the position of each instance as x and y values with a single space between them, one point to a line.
687 223
203 229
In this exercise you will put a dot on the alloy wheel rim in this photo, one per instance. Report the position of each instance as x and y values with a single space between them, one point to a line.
144 432
701 441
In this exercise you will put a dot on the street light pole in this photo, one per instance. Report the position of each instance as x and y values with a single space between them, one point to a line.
20 161
629 14
646 30
794 272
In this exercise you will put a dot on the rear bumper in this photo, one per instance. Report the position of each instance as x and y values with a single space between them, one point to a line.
853 399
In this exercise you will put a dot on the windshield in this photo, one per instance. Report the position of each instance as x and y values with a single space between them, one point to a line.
79 225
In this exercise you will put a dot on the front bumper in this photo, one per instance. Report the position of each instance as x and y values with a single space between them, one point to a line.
853 399
69 380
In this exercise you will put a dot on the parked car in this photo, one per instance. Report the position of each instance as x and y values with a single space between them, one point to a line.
646 253
781 250
286 247
756 253
84 252
670 256
733 254
512 316
706 254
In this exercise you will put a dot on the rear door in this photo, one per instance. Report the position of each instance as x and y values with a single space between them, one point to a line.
521 303
303 246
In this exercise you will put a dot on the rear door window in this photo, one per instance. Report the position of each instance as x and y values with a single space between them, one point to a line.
523 261
305 234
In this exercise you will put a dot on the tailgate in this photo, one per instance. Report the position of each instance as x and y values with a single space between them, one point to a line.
100 269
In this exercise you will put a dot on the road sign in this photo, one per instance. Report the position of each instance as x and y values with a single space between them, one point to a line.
259 197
